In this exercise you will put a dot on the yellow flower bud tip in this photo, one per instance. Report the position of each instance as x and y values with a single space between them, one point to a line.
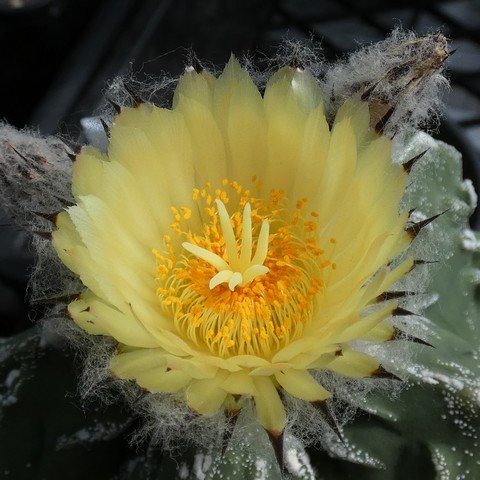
234 243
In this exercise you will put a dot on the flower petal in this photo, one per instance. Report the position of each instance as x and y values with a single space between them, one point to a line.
339 169
249 361
313 340
396 274
239 112
87 174
359 115
154 145
306 90
269 408
286 121
79 310
354 364
130 364
65 237
313 156
207 396
106 320
166 381
301 384
365 324
381 333
195 86
239 383
210 163
106 242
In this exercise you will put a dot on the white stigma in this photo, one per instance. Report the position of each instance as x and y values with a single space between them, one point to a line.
239 269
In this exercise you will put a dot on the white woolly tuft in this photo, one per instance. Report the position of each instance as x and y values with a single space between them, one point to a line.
50 281
35 185
35 177
300 54
402 71
171 424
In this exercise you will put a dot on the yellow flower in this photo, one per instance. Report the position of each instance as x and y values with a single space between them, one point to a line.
236 243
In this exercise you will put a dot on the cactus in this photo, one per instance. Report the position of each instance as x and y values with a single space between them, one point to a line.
424 427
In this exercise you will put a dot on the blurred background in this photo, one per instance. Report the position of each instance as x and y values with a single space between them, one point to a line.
57 55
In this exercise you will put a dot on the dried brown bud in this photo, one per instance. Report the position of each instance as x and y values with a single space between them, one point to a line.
399 78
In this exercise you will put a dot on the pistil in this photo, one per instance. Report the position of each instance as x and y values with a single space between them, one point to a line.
237 270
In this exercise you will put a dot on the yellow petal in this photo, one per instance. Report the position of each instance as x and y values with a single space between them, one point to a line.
79 310
313 156
196 86
302 345
238 109
359 115
365 324
148 368
106 320
194 366
239 383
127 204
224 363
396 274
129 365
159 325
167 381
210 163
123 327
306 90
79 260
249 361
65 238
286 121
380 333
339 169
87 174
207 396
269 408
301 384
270 369
354 364
155 145
105 238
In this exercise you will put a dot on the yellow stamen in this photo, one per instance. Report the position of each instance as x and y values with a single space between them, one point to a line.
237 288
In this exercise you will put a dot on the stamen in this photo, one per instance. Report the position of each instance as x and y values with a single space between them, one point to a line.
237 289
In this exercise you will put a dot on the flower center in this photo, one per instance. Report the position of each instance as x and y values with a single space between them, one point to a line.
240 269
245 283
